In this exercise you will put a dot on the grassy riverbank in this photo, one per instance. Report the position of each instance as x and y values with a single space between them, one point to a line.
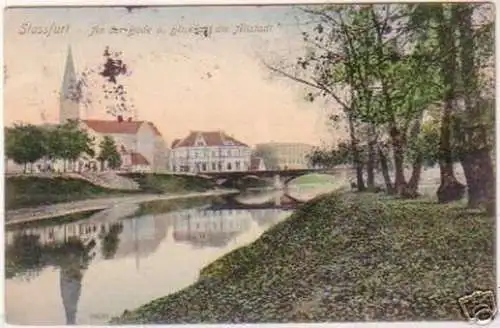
166 183
343 258
30 191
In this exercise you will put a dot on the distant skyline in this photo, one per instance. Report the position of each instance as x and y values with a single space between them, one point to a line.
179 81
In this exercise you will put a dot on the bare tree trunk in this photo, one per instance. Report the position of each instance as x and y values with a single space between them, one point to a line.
370 166
356 158
449 189
475 156
412 187
385 171
478 171
397 148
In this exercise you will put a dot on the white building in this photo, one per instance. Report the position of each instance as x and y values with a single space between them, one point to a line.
209 152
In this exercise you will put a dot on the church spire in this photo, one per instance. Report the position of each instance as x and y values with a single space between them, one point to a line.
69 76
69 108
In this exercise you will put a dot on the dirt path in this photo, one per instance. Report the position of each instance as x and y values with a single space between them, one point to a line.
61 209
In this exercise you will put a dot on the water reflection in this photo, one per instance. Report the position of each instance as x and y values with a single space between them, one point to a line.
29 254
210 228
125 256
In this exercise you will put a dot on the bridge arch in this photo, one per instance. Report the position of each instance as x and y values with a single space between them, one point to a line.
282 178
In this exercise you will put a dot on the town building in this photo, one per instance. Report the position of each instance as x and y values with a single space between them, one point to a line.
209 152
284 155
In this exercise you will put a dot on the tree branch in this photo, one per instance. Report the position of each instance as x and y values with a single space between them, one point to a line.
314 84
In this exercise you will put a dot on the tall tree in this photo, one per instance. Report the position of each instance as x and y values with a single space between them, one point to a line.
24 144
475 154
74 142
108 153
449 189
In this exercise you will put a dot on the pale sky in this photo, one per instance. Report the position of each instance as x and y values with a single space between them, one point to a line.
169 80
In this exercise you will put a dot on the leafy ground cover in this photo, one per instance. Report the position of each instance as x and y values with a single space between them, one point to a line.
343 257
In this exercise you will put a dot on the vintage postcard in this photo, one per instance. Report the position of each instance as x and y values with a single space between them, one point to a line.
250 164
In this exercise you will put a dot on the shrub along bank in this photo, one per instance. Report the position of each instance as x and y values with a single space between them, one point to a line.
343 258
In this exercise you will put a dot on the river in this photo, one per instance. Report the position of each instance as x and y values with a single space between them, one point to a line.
87 270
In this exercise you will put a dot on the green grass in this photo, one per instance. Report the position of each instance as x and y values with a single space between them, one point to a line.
165 183
26 191
343 258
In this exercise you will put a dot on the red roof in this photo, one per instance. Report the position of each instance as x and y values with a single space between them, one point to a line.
115 127
213 138
138 159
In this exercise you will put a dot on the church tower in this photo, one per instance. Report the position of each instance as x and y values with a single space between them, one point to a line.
69 108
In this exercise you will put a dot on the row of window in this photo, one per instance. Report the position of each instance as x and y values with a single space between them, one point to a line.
213 166
213 153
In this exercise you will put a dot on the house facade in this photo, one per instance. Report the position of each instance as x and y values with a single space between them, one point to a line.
209 152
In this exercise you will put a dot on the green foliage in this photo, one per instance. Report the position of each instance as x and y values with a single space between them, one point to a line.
426 144
109 153
330 157
76 141
24 143
29 143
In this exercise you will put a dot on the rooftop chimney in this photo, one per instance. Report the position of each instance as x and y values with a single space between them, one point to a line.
120 118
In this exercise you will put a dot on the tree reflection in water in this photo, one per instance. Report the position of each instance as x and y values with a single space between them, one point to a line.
110 240
26 257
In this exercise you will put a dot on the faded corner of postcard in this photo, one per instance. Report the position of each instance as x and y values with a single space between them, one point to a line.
250 164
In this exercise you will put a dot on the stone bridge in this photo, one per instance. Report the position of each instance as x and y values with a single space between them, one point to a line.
280 178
